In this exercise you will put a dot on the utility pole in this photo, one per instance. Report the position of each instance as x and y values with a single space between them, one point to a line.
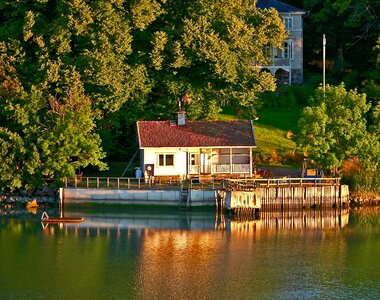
324 64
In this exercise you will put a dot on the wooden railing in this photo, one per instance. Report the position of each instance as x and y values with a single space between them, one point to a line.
286 181
140 183
242 184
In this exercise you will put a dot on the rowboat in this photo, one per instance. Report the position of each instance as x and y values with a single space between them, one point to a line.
46 219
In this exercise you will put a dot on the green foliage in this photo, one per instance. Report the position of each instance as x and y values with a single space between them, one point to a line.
333 129
46 137
376 117
72 71
365 181
206 48
287 97
352 29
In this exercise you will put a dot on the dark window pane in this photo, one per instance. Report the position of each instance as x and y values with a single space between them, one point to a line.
169 159
161 160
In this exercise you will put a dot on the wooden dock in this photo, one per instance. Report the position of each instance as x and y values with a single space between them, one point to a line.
294 193
260 194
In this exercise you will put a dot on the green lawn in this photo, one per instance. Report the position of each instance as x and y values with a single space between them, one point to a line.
272 128
283 119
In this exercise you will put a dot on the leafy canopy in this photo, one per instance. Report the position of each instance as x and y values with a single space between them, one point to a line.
333 128
73 71
43 137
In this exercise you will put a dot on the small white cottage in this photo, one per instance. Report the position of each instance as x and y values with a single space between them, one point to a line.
186 149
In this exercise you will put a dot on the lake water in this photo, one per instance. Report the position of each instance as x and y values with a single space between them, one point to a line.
132 254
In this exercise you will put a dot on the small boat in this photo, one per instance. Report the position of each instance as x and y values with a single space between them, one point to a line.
46 219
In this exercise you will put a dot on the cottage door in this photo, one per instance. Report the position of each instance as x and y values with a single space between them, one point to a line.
205 163
194 163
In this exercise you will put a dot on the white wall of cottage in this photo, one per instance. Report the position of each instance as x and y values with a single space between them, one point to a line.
179 168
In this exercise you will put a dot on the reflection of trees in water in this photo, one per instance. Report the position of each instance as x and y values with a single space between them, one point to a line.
368 217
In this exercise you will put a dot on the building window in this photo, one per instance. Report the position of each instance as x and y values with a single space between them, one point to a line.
288 50
166 160
194 159
288 22
268 52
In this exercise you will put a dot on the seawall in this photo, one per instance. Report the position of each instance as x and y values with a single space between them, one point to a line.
162 197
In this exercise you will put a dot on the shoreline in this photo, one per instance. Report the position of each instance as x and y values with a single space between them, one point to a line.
49 198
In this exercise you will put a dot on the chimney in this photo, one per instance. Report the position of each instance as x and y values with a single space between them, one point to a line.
181 120
185 100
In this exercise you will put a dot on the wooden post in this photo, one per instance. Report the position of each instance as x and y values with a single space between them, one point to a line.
231 170
250 162
282 200
61 197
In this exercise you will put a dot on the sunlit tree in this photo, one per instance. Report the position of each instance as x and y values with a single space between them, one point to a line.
334 128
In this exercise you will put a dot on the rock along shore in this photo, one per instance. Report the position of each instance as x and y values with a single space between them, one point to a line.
357 201
45 197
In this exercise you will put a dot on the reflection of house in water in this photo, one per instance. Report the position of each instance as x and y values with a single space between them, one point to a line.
302 219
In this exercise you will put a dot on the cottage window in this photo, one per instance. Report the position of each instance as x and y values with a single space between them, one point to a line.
288 22
166 160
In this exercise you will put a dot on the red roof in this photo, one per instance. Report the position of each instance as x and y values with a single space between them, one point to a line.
155 134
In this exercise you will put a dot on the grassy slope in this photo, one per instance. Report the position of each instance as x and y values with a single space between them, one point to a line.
272 128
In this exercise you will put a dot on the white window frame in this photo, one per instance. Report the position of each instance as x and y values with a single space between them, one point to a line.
288 50
164 165
288 21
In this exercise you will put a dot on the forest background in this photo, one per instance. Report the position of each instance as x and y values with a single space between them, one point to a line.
75 76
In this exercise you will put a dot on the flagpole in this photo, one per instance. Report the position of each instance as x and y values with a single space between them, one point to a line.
324 64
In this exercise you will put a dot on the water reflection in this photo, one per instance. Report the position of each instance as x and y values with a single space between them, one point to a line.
105 223
195 255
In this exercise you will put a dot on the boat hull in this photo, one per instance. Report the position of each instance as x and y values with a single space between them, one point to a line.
62 220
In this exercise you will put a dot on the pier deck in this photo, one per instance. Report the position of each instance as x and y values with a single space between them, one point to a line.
269 194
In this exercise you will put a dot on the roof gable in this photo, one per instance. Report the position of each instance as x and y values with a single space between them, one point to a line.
279 6
156 134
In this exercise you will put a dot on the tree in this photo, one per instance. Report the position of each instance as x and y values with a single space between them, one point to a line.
208 50
46 38
351 27
333 129
145 50
135 59
46 137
